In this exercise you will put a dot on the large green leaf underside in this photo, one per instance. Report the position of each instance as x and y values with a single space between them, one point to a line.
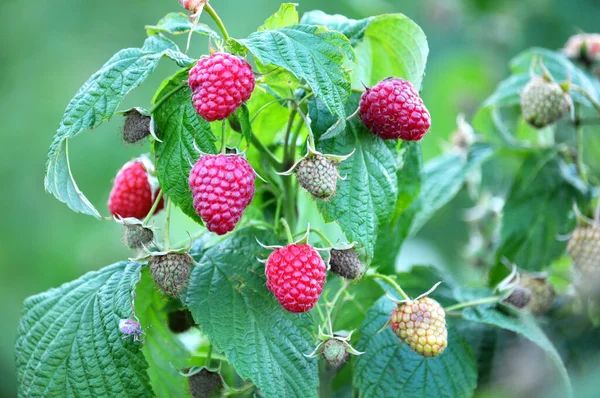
97 101
164 352
178 126
389 368
525 326
366 196
313 54
353 29
229 300
393 45
537 211
69 343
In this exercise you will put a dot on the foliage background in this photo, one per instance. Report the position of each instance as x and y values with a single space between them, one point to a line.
48 49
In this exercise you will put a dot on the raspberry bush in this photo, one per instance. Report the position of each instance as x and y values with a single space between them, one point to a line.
297 152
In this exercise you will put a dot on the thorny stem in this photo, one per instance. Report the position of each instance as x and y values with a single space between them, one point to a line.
487 300
167 96
154 206
224 137
215 17
391 282
288 232
167 225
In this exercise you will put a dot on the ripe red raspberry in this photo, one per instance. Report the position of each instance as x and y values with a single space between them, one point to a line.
393 109
220 84
131 195
222 187
296 275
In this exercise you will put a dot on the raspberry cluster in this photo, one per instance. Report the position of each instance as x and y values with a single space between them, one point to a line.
220 83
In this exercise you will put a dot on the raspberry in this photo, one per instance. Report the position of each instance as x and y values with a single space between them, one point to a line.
335 353
206 384
220 84
393 109
346 263
584 47
318 175
131 195
584 249
543 102
137 236
192 6
136 127
222 187
171 271
542 293
296 275
422 325
519 297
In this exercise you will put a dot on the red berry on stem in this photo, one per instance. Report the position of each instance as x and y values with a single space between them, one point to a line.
222 187
296 275
393 109
220 84
131 195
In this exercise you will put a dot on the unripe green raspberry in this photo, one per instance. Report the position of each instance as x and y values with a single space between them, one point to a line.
137 236
171 271
318 175
335 353
584 249
542 293
346 263
543 102
422 325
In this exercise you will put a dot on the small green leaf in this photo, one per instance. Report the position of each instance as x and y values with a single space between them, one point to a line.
229 300
177 23
353 29
366 197
178 126
164 352
537 211
525 326
393 45
97 101
287 15
69 343
390 368
311 53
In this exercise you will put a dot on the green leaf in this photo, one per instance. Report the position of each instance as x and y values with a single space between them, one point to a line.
69 343
390 368
366 197
164 352
177 23
537 211
351 28
229 300
95 102
393 233
525 326
178 126
311 53
443 177
393 45
287 15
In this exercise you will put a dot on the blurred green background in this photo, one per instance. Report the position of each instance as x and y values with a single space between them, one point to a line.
49 48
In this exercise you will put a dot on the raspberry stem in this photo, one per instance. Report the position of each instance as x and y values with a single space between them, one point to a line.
167 224
288 232
154 206
487 300
224 137
391 282
215 17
